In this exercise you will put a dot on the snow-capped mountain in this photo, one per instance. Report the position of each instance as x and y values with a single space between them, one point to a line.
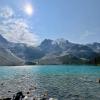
53 51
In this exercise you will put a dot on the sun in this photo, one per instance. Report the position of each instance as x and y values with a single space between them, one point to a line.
28 8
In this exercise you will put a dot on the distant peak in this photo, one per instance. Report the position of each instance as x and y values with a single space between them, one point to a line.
61 41
48 40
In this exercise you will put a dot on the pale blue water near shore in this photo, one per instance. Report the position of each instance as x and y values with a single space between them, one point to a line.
65 82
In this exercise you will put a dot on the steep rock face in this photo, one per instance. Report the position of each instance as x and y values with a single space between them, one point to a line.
64 52
95 46
49 46
58 45
64 46
21 50
81 51
8 59
28 53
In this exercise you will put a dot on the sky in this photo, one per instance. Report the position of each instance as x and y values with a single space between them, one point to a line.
31 21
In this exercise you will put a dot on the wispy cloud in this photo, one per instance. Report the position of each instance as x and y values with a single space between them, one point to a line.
16 29
6 12
87 34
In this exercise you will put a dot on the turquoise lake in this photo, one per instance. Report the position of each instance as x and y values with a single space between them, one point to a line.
65 82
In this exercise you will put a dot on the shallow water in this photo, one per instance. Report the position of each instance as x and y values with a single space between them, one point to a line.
65 82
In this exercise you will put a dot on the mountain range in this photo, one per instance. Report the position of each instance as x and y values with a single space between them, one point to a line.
6 56
49 51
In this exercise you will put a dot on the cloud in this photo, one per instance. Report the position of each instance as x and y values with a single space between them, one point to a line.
87 34
17 30
6 12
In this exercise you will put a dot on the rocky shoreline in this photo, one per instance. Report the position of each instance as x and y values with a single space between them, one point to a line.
20 96
27 94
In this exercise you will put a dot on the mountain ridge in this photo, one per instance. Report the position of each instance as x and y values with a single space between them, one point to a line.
7 58
59 51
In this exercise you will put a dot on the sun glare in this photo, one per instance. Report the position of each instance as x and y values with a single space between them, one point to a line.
28 9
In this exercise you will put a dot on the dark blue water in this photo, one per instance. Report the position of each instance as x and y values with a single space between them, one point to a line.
65 82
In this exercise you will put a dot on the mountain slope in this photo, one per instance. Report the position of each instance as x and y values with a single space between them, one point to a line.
21 50
95 46
28 53
8 59
64 52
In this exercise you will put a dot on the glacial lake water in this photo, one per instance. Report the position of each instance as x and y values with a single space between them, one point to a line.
65 82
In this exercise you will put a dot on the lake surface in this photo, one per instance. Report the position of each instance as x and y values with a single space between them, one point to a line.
65 82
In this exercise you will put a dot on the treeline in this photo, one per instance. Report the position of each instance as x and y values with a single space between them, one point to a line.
95 61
